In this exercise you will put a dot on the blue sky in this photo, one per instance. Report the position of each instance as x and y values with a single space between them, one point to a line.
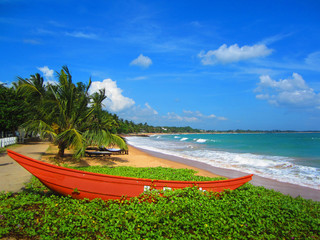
205 64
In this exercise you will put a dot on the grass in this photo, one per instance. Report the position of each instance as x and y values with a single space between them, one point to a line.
246 213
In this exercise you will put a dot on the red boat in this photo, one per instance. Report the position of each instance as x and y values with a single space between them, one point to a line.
81 184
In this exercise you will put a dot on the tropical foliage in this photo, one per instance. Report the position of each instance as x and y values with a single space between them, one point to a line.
248 212
66 113
12 109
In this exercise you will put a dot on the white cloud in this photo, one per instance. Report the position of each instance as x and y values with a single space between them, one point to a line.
313 59
48 74
82 35
115 101
291 92
234 53
142 61
138 78
175 117
275 38
222 118
141 114
145 113
151 109
192 116
31 41
127 109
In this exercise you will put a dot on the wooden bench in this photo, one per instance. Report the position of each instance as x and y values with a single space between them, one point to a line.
98 153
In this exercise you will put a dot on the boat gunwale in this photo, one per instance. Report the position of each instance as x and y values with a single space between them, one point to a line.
26 158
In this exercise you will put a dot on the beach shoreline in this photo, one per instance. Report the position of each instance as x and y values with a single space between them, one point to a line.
139 157
293 190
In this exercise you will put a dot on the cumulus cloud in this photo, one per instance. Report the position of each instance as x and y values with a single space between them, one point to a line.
115 101
291 92
126 108
141 114
146 113
142 61
48 74
233 53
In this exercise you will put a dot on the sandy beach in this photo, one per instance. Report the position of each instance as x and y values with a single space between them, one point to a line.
135 158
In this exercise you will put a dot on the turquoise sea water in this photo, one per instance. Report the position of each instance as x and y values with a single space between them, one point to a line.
287 157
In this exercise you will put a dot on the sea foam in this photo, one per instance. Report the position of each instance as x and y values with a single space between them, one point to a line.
201 140
275 167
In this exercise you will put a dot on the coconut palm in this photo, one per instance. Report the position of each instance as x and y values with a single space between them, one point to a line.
32 90
71 119
98 133
33 86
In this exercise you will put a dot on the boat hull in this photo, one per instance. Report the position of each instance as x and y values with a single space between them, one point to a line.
82 184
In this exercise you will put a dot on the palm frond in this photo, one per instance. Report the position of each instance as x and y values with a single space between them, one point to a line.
119 141
102 137
33 86
73 139
35 127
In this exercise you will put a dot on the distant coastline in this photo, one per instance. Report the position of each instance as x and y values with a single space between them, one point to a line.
216 132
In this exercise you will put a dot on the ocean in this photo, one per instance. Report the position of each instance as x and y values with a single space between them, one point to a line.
286 157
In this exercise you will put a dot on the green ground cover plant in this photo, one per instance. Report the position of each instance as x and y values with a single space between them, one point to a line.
246 213
151 173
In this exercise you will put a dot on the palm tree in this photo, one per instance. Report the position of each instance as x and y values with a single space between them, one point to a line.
70 118
32 90
32 86
101 123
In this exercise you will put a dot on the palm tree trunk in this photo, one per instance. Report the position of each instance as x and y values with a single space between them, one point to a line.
61 147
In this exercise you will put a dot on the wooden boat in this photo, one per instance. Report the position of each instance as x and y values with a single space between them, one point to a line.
81 184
